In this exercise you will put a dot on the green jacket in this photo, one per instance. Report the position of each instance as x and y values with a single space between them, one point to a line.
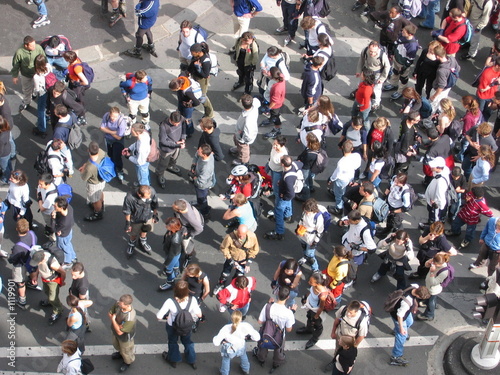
24 61
252 56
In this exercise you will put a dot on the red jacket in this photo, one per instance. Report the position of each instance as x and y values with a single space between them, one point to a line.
474 207
364 95
237 297
487 77
454 32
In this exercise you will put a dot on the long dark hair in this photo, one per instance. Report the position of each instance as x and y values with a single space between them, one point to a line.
290 264
73 301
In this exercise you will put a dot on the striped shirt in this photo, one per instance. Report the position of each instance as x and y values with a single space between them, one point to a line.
473 208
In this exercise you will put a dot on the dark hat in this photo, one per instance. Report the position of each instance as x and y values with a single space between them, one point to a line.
36 258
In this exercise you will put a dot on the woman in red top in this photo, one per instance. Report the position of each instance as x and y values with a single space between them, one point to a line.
277 91
77 80
363 102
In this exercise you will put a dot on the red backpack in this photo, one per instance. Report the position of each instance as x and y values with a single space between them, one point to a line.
50 80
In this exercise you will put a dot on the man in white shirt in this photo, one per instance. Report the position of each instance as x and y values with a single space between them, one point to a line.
247 129
358 238
435 194
59 161
187 37
138 152
285 319
344 174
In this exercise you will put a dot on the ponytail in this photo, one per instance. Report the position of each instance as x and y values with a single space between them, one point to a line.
236 318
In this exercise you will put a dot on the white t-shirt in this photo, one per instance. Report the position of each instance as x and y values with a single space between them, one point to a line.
170 308
280 314
186 43
347 326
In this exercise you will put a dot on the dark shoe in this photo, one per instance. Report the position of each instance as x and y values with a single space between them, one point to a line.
146 247
236 86
54 318
124 367
449 233
415 276
175 170
272 235
162 182
288 219
116 355
467 57
303 331
273 368
193 365
94 217
22 107
329 367
168 285
30 285
44 303
356 6
421 24
173 364
424 317
311 343
232 224
255 350
423 226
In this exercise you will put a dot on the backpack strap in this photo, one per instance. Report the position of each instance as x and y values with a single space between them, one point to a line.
341 263
442 270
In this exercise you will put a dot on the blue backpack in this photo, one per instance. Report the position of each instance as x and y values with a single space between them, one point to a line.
469 31
453 77
63 190
105 169
327 217
200 30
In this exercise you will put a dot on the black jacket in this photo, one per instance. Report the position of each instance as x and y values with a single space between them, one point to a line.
140 211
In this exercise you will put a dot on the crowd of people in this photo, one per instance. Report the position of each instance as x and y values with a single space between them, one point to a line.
457 158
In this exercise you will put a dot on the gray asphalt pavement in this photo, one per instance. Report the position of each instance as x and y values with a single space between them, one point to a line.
101 246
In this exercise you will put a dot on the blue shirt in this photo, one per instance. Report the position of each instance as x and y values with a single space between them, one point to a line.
489 235
137 90
147 13
242 7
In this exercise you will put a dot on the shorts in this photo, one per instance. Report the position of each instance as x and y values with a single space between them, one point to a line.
18 274
94 191
136 227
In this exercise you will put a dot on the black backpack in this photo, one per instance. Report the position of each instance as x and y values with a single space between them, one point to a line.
42 161
321 161
271 335
366 312
55 252
329 70
183 322
325 11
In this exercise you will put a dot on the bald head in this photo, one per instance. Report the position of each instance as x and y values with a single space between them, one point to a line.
242 231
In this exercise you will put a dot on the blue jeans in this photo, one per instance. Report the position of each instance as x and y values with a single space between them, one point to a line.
174 354
142 174
59 65
174 263
41 107
454 207
225 366
308 183
187 113
399 340
364 114
429 12
456 227
64 243
289 22
42 9
243 310
291 298
276 176
465 144
282 209
310 253
201 200
6 166
431 307
339 191
467 165
485 108
377 180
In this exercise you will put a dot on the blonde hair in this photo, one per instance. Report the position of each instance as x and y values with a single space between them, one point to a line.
470 103
381 122
485 129
447 108
3 89
433 45
236 318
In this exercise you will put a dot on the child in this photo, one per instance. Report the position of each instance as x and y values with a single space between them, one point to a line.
459 183
469 214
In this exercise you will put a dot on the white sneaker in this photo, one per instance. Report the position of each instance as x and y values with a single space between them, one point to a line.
301 261
287 40
362 176
375 277
3 254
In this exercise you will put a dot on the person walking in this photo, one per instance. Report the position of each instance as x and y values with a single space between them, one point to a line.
180 303
283 317
232 340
